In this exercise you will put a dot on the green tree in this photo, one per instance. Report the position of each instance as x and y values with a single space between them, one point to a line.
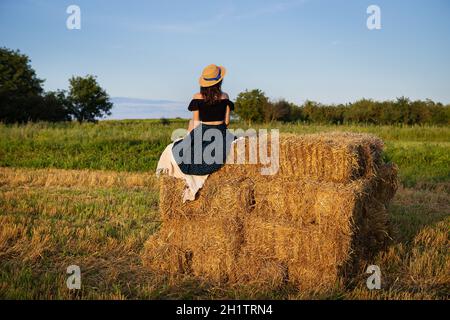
440 114
16 74
402 104
20 89
296 114
310 111
362 111
88 101
250 105
277 110
55 107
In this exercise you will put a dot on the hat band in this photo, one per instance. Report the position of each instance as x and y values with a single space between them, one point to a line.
216 78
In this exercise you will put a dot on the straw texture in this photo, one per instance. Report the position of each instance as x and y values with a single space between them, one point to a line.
310 225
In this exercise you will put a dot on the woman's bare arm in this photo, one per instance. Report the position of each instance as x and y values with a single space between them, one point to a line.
195 121
228 111
227 116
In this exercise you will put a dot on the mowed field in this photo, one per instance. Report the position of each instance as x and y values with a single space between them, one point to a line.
86 195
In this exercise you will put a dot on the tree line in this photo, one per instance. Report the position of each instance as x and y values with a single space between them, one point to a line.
255 106
23 99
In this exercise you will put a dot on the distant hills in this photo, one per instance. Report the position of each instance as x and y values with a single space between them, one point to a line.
135 108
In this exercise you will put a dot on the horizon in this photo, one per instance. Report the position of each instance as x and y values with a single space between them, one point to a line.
292 49
139 109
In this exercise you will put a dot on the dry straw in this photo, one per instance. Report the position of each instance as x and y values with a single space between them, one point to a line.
330 157
310 225
17 177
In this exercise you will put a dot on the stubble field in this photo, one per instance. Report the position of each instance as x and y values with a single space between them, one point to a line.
86 195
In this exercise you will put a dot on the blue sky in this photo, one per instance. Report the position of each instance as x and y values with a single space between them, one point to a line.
296 49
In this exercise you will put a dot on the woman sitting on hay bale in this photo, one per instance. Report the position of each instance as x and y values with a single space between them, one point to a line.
205 148
313 224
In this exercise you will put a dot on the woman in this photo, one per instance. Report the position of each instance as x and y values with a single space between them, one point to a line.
204 150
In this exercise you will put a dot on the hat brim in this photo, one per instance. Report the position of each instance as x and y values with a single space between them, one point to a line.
204 83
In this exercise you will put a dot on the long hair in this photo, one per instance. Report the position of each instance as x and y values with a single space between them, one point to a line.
212 94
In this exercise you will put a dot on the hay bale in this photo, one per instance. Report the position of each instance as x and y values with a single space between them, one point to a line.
316 229
329 157
236 192
309 255
319 239
306 228
334 157
258 271
207 248
307 202
386 183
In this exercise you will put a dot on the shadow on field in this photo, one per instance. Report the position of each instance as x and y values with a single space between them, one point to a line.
413 209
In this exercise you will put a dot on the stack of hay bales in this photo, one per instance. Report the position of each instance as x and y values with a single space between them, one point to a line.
308 225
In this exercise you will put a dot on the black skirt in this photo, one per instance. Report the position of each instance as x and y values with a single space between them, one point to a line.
204 150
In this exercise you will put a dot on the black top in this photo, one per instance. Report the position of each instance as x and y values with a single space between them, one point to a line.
214 112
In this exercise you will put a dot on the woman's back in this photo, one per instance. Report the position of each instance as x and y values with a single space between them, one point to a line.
211 112
204 150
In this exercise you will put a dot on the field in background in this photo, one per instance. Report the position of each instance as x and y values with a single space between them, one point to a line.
100 218
135 145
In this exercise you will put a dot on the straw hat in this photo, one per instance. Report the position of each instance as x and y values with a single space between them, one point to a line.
211 75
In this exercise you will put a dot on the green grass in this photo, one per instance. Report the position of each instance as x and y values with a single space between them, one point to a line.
127 146
422 153
422 163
